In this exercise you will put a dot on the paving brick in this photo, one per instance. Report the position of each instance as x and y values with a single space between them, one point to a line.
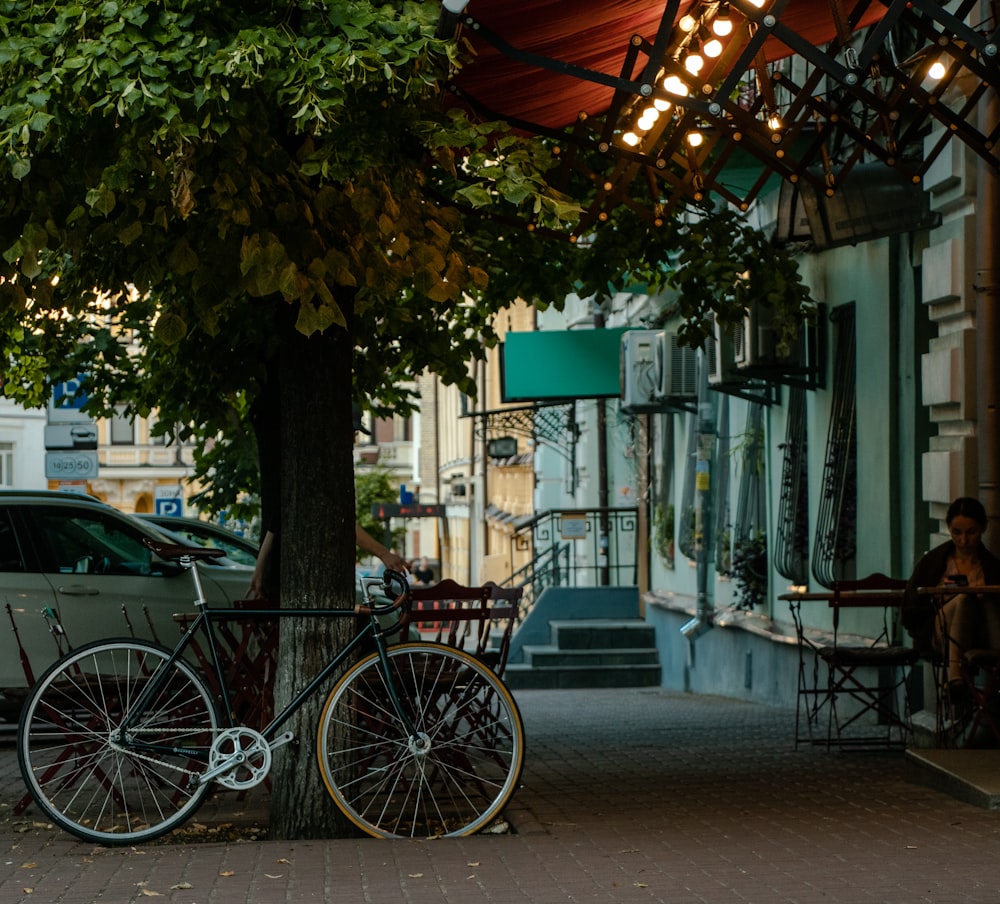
629 795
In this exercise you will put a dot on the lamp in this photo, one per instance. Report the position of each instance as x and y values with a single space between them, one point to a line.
451 12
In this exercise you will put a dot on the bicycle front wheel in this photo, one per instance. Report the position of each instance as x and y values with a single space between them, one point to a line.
102 783
453 776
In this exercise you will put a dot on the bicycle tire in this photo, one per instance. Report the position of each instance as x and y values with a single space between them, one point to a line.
474 732
80 776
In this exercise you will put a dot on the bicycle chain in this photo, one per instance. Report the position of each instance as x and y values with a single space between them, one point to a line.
118 748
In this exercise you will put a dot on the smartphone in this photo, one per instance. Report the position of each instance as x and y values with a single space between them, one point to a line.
962 580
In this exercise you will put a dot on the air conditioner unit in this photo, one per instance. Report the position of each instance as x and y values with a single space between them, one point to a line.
755 344
676 367
638 371
720 352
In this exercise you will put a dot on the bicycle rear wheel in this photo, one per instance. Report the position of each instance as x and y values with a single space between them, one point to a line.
458 772
101 784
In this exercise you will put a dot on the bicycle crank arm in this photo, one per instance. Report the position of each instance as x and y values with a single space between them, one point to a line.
281 740
223 767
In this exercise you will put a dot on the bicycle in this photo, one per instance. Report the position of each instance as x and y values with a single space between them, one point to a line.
120 741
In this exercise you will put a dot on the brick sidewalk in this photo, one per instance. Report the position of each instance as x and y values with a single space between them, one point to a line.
629 796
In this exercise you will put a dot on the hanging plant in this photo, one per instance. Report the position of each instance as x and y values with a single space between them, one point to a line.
663 533
750 571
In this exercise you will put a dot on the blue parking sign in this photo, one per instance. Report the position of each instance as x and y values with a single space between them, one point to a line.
171 507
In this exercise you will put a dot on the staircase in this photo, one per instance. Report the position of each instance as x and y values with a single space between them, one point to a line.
598 652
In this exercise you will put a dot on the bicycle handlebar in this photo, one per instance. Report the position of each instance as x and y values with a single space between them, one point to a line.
388 579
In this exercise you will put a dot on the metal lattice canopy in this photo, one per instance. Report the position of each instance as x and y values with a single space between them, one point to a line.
801 89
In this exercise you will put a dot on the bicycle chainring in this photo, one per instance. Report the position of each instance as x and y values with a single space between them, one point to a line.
250 755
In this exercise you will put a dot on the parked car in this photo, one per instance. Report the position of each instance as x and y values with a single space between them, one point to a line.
83 562
238 549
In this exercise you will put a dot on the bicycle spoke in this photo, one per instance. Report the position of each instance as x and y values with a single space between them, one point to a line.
453 775
97 780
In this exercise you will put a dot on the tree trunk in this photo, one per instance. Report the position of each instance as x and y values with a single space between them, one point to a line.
317 562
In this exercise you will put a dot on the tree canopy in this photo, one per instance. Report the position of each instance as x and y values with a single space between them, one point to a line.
246 215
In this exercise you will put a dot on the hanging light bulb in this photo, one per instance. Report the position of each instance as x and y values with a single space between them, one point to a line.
937 70
661 105
694 139
646 122
712 48
694 62
774 122
723 25
687 23
631 139
674 85
758 3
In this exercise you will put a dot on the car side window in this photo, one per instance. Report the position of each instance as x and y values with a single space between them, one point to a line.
10 553
94 543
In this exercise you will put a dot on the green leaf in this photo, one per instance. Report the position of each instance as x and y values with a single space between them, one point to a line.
170 329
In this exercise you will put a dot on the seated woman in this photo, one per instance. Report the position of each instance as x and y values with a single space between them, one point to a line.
948 626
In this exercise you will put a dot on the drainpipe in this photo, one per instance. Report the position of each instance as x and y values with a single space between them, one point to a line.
702 620
603 494
988 327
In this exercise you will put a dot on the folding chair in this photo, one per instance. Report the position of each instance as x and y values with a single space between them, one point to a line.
872 679
478 620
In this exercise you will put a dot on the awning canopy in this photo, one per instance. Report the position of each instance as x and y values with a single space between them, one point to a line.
803 88
594 36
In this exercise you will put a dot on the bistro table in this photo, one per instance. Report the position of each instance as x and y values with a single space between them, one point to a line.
817 697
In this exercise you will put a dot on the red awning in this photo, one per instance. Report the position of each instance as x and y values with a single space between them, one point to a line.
594 34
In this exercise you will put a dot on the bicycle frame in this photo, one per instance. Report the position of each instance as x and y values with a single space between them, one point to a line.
203 622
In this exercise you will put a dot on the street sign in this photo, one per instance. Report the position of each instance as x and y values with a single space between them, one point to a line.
384 510
66 403
171 507
70 465
70 436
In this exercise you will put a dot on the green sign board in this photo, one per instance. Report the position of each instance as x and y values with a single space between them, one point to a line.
561 364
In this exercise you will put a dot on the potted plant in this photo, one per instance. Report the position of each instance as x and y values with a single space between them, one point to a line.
749 569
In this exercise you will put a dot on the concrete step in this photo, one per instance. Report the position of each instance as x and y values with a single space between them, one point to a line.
550 656
602 634
969 775
521 676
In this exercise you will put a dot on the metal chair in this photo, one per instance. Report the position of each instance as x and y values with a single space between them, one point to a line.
869 679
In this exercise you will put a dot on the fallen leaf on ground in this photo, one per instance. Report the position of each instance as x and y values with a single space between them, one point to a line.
228 872
28 866
416 875
149 893
472 863
181 885
270 876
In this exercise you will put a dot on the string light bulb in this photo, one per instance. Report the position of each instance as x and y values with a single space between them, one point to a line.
937 70
694 139
694 62
631 139
687 23
712 48
661 104
723 25
674 85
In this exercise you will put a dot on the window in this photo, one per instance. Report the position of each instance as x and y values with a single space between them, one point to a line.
835 542
92 543
122 428
7 465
